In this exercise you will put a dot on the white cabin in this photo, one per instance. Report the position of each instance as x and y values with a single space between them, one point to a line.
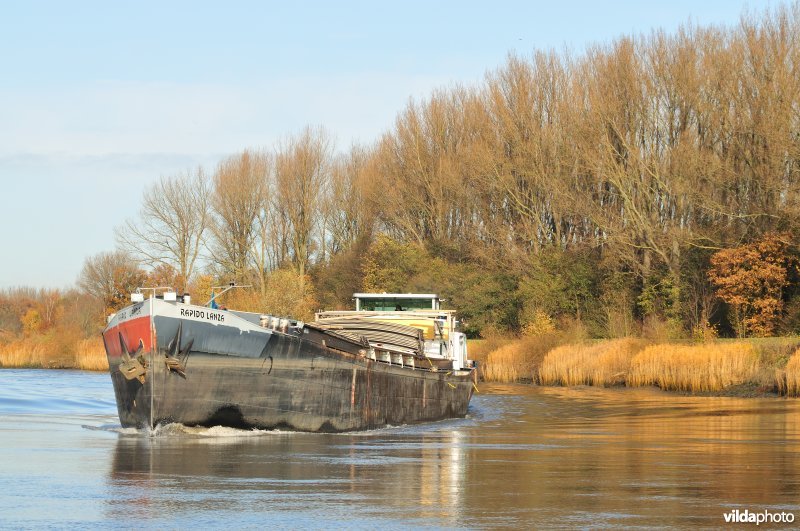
442 338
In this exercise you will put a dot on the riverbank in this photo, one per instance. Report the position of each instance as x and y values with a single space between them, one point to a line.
38 353
737 368
751 367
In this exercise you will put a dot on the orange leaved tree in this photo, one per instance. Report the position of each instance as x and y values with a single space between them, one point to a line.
751 280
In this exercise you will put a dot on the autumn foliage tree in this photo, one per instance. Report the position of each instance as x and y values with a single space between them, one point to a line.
751 279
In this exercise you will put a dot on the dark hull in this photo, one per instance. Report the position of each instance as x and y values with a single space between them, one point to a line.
239 375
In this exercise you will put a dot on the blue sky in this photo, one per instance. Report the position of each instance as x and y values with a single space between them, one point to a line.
99 99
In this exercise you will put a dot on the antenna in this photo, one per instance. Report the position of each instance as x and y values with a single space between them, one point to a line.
231 285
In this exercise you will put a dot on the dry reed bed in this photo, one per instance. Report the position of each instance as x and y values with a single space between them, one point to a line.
508 363
518 360
601 364
90 355
23 354
694 368
86 354
479 349
789 378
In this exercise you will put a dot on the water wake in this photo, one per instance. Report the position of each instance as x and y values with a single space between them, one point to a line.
179 430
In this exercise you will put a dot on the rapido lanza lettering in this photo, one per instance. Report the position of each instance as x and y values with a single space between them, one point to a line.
202 314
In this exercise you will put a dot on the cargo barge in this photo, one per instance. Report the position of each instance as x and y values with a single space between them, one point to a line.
397 359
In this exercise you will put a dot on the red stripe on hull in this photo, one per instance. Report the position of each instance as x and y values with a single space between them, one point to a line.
132 331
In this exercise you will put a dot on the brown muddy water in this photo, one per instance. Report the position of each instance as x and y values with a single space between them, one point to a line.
525 457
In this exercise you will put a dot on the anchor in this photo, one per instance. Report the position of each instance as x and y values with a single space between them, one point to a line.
176 356
132 366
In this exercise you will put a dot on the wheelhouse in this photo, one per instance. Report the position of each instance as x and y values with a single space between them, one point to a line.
395 302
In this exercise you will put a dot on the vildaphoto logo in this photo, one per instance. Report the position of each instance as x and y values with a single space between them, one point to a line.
758 517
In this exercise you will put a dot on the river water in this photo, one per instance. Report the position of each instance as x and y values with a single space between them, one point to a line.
524 457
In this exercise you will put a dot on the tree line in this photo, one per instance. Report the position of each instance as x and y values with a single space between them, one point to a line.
645 186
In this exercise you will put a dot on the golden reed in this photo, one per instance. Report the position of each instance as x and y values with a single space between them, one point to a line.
707 367
85 354
600 364
789 378
518 360
23 354
508 363
90 355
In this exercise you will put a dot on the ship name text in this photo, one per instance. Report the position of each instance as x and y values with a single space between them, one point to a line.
202 314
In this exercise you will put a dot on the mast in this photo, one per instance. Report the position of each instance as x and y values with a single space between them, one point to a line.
152 363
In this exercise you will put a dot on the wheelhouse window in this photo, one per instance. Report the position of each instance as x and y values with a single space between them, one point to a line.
390 304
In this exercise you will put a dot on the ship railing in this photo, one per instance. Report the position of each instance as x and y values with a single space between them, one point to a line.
426 314
279 324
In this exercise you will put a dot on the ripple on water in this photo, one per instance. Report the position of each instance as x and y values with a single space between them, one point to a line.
524 457
45 391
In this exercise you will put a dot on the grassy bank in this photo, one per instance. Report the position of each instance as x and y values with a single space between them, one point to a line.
760 365
85 354
744 367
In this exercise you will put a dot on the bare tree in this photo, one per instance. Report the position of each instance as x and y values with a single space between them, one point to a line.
49 301
267 241
528 103
111 277
302 175
643 155
275 231
349 210
427 166
238 199
171 224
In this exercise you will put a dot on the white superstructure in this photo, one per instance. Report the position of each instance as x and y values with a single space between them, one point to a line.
441 338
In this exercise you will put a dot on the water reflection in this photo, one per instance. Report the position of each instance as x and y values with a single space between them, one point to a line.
355 478
543 457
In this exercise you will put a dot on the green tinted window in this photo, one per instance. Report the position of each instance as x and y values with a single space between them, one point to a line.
390 304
